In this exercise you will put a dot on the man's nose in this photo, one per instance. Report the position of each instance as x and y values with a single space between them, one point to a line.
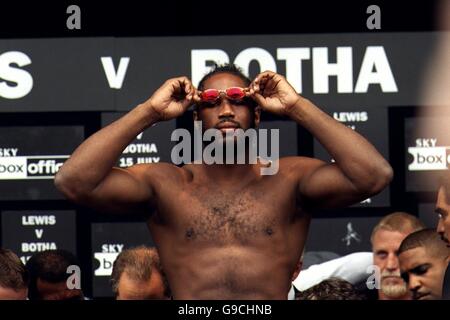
413 283
226 109
440 227
392 262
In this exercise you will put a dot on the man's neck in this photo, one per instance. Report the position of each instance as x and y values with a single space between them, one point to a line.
230 173
234 171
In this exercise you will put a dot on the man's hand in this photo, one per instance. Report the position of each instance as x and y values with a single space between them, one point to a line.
273 93
172 99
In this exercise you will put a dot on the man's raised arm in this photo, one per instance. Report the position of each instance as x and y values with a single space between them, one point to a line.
359 171
89 177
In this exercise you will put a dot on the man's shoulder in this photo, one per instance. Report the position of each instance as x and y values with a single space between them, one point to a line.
168 170
298 167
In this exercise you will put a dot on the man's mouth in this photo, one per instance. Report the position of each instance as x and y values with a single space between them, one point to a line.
392 278
444 238
421 296
227 126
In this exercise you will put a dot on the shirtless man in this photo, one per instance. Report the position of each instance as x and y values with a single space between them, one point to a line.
226 231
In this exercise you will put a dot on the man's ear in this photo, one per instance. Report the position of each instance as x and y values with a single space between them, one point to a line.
257 116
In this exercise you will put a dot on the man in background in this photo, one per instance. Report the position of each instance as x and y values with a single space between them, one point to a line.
386 238
351 268
48 271
443 227
424 257
331 289
137 275
13 277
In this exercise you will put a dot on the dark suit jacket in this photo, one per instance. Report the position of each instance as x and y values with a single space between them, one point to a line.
446 288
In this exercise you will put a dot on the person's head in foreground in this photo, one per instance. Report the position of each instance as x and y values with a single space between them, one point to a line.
137 275
386 238
443 208
224 104
331 289
13 277
423 260
49 274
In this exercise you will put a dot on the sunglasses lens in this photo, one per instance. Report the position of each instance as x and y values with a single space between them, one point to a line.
210 95
235 93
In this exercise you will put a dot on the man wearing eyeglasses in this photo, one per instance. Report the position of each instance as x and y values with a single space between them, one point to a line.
225 231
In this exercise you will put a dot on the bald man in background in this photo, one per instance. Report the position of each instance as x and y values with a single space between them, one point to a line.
386 238
137 275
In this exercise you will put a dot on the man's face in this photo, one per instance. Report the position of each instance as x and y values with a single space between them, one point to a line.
57 291
130 289
225 114
11 294
423 272
385 245
443 210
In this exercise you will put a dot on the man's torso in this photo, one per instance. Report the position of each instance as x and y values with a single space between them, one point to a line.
228 241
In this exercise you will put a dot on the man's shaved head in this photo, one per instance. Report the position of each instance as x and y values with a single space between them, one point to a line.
428 239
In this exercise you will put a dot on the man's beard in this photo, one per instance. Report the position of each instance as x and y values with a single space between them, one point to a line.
393 291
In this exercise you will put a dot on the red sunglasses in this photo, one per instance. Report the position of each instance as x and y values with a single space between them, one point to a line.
233 93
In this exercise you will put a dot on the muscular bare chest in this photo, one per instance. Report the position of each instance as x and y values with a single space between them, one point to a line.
208 212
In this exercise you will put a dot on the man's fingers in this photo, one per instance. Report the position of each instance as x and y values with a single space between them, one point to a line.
188 88
254 87
196 96
264 76
183 86
186 84
263 81
258 98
